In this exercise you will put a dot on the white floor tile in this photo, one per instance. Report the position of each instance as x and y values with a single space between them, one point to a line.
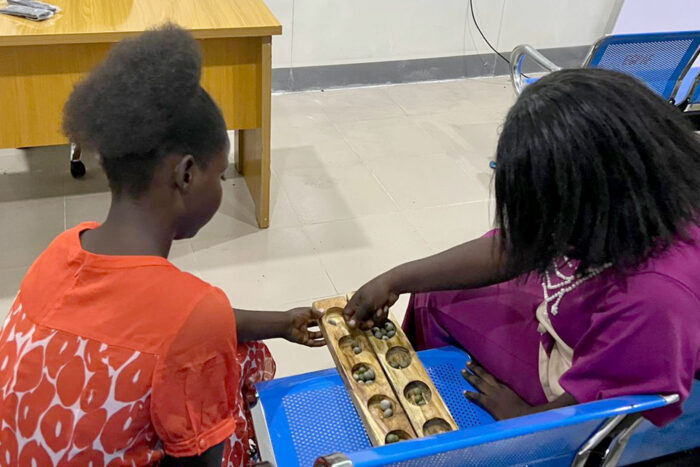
42 159
263 269
182 256
29 186
428 98
297 109
345 105
392 137
335 193
446 226
442 133
236 215
87 208
310 146
489 90
436 180
356 250
10 280
480 139
27 228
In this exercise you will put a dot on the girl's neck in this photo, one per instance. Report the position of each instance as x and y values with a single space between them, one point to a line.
132 228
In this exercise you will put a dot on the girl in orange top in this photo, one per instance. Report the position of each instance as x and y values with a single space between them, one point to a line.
110 354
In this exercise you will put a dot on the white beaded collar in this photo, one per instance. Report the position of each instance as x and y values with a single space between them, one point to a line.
555 292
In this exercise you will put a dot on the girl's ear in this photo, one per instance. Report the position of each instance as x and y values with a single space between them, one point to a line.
184 172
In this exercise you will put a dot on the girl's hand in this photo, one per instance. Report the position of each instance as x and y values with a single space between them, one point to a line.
370 304
494 397
299 320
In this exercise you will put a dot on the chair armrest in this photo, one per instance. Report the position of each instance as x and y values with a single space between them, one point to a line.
616 408
517 60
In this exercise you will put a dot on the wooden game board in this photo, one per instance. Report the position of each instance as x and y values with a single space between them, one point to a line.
409 420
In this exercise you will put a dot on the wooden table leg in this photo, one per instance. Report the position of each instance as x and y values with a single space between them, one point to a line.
254 144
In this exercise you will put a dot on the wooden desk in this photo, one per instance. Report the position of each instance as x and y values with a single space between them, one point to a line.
41 62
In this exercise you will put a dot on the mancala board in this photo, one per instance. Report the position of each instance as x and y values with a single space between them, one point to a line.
397 381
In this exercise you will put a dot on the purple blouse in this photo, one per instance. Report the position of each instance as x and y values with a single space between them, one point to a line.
636 334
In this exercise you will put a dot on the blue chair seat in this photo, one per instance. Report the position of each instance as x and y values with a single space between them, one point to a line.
301 418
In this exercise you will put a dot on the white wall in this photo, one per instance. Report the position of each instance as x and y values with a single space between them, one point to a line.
658 16
329 32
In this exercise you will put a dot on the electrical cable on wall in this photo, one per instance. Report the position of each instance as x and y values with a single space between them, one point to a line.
483 36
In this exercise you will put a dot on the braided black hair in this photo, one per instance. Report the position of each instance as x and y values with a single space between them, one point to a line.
593 165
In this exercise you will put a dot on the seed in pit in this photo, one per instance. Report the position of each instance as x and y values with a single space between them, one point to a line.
385 404
332 322
375 330
389 326
388 413
392 438
357 349
385 337
369 374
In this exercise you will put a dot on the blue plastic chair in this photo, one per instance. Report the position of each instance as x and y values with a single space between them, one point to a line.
661 60
309 419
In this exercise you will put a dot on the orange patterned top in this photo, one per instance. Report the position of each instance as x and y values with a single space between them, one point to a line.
116 360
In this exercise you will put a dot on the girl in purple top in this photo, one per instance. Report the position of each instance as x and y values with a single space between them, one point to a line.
591 287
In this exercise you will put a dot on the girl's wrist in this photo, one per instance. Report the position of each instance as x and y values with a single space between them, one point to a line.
392 281
281 323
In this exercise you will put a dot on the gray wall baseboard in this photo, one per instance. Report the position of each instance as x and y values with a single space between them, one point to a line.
408 71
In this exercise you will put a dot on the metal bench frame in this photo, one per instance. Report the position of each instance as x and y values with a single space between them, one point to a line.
524 51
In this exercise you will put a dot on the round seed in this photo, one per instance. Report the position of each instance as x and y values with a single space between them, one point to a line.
388 413
357 349
375 330
385 404
370 374
332 322
392 438
389 326
385 337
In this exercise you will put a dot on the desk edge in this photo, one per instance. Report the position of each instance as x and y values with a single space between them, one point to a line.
110 37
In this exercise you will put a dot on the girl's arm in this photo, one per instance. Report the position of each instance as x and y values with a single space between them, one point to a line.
473 264
292 325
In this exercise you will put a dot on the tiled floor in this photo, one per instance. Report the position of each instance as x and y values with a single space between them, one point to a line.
363 179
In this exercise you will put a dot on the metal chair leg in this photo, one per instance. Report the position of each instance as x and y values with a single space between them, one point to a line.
77 168
583 456
617 447
333 460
